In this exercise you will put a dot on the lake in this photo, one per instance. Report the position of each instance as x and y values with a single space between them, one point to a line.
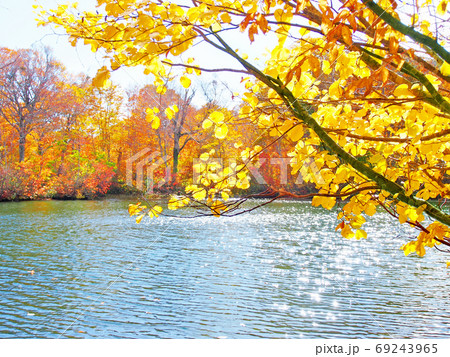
84 269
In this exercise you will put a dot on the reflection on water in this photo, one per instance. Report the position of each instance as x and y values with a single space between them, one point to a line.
84 269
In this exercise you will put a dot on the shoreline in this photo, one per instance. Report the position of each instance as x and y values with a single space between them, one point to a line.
134 196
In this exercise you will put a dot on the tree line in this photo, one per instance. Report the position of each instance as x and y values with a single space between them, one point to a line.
62 136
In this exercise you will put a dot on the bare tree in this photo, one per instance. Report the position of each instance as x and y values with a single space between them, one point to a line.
28 84
181 129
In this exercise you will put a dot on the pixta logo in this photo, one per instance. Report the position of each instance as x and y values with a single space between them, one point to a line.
151 161
306 171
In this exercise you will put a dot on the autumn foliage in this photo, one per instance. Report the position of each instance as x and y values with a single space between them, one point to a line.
41 150
355 92
64 137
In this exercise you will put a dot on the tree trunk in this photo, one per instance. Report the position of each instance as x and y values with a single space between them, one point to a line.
21 147
175 157
119 160
63 154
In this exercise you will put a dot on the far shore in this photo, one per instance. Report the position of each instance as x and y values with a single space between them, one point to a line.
132 196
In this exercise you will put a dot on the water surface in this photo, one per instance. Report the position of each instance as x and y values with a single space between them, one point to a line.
84 269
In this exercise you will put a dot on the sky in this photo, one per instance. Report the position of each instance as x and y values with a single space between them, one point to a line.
19 29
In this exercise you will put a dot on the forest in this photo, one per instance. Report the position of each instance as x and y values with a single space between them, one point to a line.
63 137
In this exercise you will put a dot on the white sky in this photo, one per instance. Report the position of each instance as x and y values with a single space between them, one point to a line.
19 30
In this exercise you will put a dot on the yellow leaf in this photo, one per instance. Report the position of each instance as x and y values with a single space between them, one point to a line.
326 67
361 234
216 27
326 202
225 18
402 91
420 250
221 131
133 208
155 211
199 194
335 90
185 81
161 89
346 35
442 7
316 201
370 209
156 122
402 218
176 202
357 221
139 218
296 133
172 205
409 248
207 123
101 79
445 69
169 113
217 207
225 196
243 184
323 5
217 117
347 232
340 225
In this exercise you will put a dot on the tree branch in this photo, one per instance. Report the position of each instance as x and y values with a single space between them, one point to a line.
383 139
205 69
299 111
408 31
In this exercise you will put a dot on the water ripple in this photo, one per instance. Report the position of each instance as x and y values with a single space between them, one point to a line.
85 269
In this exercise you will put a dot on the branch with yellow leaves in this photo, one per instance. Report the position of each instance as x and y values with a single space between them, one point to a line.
427 41
298 110
346 133
417 225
